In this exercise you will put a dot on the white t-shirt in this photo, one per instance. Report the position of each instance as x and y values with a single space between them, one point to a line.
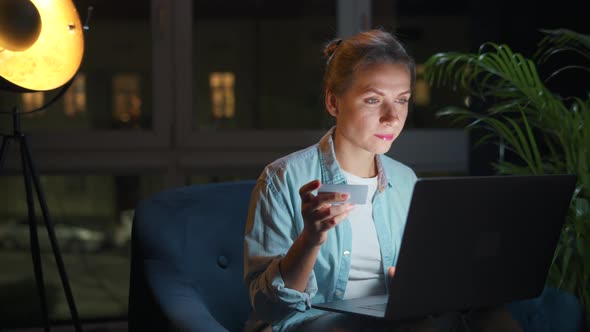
366 269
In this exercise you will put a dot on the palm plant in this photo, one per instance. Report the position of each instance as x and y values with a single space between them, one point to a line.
541 131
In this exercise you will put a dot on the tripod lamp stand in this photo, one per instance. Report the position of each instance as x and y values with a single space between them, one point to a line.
41 48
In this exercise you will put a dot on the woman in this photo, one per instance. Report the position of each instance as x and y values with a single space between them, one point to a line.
302 246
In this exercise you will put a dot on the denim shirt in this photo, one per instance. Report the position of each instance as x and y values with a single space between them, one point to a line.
275 221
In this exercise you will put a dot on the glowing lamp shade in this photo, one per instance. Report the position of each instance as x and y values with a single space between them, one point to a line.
20 24
39 60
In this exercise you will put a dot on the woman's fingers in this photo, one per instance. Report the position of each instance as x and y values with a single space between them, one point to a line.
305 192
391 271
327 224
324 210
329 211
327 217
324 206
321 201
330 198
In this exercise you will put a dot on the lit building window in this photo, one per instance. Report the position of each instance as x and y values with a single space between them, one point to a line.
126 98
32 100
75 97
421 89
222 94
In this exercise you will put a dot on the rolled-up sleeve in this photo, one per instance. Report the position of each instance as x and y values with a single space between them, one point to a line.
270 231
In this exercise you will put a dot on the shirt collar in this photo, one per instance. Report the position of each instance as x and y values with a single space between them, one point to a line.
331 171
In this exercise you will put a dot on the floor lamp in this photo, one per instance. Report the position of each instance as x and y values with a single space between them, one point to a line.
41 48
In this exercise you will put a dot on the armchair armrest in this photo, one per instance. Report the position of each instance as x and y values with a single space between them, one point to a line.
171 303
553 310
180 302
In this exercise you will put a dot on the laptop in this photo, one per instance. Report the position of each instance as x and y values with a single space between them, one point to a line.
471 242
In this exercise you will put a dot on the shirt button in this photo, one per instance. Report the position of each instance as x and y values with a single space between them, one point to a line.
346 253
338 293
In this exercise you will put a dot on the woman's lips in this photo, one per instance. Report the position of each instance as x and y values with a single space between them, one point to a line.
386 137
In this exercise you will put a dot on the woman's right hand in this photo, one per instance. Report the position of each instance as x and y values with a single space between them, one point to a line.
319 213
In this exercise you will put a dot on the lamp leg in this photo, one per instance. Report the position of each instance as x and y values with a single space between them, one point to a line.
34 240
51 233
4 149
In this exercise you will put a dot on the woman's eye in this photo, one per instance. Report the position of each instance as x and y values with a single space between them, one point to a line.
402 101
371 100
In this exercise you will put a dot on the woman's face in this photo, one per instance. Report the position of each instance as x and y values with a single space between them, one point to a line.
372 112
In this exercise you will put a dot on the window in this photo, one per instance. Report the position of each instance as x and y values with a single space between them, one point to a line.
222 95
126 100
32 100
275 59
75 97
92 217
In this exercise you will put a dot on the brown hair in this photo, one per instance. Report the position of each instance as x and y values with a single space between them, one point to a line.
344 57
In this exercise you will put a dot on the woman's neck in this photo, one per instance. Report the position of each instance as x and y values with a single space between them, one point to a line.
355 160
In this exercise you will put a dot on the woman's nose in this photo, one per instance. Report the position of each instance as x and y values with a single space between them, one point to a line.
389 114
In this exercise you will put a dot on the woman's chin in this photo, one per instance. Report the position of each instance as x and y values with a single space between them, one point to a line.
383 148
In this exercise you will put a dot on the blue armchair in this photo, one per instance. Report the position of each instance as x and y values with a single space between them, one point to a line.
187 266
187 259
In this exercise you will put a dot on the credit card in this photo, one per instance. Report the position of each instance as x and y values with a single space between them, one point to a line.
357 192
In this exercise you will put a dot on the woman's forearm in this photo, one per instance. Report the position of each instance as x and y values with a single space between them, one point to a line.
297 265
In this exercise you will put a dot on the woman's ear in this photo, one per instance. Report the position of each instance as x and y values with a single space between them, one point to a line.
331 103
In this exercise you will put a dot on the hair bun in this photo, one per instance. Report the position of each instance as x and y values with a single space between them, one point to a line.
331 47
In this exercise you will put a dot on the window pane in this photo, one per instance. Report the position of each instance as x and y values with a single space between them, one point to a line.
92 217
117 45
274 62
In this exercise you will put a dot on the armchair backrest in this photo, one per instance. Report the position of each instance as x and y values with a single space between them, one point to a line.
187 259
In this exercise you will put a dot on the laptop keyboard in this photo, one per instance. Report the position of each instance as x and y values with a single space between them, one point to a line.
377 307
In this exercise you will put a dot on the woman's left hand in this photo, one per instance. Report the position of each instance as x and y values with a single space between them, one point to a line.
391 271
